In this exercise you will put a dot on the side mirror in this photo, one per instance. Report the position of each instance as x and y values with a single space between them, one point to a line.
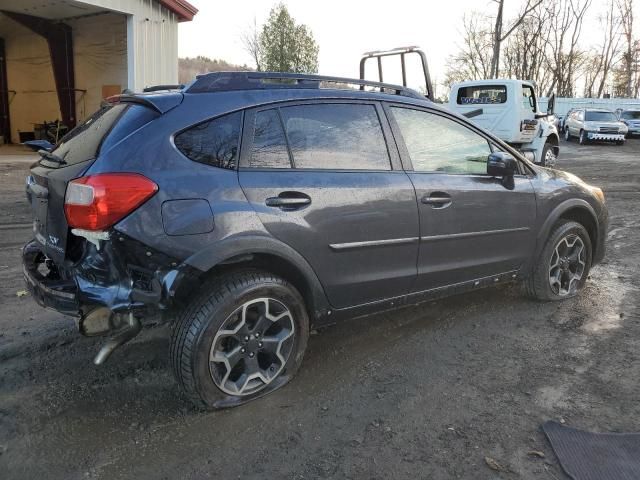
501 164
551 104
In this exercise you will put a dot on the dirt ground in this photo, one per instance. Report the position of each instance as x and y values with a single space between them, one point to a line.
426 392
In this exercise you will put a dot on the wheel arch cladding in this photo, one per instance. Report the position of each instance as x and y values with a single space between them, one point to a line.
576 210
268 254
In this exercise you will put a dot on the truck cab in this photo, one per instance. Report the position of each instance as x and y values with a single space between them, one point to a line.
509 109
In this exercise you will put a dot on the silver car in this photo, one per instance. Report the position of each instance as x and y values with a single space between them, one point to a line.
631 118
595 124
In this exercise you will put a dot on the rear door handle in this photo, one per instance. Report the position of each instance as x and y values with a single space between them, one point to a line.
437 199
289 201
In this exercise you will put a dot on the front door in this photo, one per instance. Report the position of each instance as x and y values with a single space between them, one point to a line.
322 180
471 225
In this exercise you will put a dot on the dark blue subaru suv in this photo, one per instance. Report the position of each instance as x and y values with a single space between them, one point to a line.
247 208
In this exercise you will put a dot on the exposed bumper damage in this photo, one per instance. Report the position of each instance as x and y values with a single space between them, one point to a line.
110 287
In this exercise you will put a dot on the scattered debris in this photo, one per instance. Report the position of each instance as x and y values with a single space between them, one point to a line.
21 293
494 465
536 453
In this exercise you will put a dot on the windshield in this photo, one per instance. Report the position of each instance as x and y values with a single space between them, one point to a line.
631 115
600 117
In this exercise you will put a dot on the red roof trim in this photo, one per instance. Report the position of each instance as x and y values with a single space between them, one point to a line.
183 9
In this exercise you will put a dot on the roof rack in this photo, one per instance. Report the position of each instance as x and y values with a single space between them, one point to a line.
226 81
402 52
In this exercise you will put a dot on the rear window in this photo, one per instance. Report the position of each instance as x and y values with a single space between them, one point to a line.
101 131
482 95
600 117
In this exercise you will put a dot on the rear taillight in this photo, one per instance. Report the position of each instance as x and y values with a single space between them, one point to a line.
99 201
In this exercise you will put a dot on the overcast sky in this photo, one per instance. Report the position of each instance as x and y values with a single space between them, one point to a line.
345 29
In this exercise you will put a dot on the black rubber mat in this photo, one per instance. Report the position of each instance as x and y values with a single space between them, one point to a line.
595 456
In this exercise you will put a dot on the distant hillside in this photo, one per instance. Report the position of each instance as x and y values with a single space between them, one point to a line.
188 68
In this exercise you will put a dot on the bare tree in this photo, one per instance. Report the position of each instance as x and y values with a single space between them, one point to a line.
499 37
473 60
610 46
564 57
625 8
525 50
251 42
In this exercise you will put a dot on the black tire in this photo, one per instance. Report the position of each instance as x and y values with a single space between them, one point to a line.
199 324
545 151
567 135
582 139
538 284
620 142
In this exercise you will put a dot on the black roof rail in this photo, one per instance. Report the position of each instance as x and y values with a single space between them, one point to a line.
226 81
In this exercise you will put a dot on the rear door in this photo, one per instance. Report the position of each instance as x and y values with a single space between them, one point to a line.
322 179
471 225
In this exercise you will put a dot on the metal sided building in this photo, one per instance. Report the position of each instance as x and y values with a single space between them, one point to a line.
60 58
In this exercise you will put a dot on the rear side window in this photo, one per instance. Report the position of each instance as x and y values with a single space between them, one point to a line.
214 142
482 95
336 136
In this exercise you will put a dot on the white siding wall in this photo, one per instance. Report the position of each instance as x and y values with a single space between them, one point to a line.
100 58
134 44
152 41
153 45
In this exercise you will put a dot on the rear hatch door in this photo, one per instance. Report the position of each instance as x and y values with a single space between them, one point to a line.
48 179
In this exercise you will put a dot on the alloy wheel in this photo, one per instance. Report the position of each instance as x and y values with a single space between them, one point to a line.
252 346
550 158
567 265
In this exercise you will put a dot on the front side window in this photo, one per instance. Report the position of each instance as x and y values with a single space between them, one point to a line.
336 136
482 95
439 144
214 142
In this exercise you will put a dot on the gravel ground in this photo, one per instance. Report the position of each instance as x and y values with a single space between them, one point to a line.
425 392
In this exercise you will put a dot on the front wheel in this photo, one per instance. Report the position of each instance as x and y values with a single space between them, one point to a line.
620 142
583 138
567 135
548 156
244 336
562 267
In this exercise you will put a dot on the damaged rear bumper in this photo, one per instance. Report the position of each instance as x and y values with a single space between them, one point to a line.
54 293
110 287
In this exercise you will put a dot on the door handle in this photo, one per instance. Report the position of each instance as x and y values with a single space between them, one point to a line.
289 201
437 199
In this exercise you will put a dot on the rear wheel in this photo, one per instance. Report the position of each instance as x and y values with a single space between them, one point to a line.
620 142
562 268
244 336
